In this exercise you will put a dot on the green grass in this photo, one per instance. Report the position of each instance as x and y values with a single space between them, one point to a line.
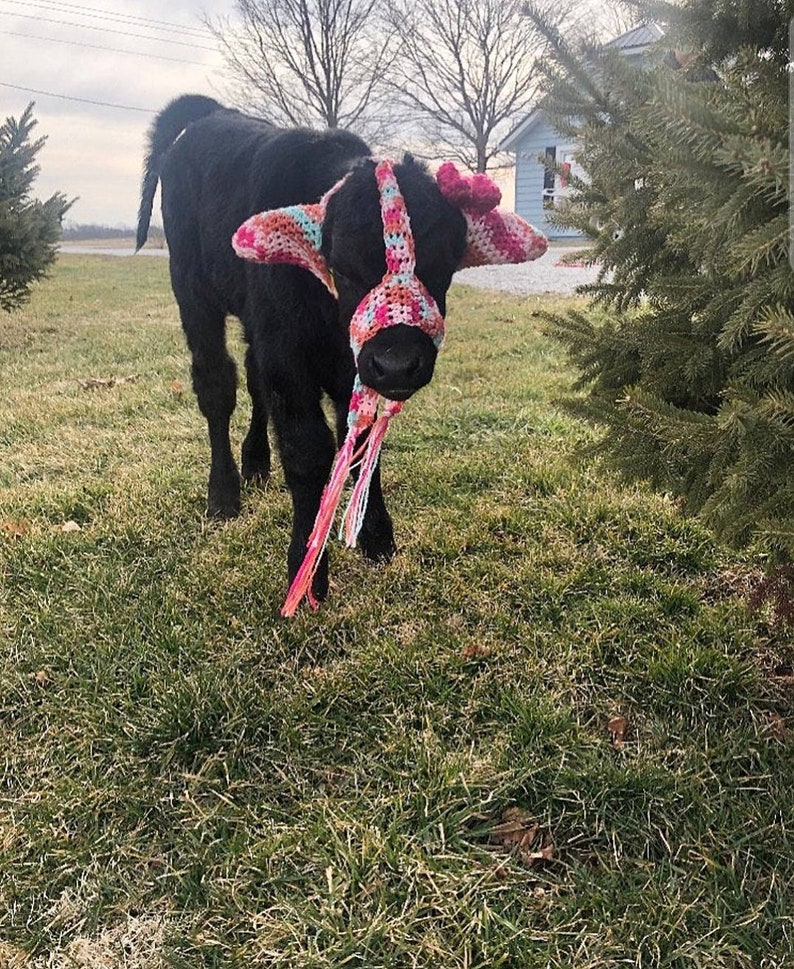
189 780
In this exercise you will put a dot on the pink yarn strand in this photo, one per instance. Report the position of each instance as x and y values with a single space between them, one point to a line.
353 518
301 587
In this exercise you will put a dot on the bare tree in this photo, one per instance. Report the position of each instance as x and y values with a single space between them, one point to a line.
305 62
467 69
594 20
615 18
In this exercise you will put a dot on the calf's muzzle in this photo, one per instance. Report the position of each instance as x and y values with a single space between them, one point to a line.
397 361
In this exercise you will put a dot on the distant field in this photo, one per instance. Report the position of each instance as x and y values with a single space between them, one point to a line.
125 242
548 735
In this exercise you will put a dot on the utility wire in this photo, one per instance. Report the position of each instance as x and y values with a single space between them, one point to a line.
111 30
98 14
115 50
66 97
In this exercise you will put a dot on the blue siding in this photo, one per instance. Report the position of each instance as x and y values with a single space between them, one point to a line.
538 135
529 178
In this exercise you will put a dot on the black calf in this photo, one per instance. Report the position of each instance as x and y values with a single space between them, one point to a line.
225 167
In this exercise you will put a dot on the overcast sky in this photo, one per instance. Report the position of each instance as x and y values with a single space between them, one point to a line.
159 50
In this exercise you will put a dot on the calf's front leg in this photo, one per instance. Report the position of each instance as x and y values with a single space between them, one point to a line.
306 447
376 537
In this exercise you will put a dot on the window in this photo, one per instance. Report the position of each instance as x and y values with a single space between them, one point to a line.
548 178
558 193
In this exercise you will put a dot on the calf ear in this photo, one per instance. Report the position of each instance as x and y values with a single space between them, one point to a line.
496 237
290 235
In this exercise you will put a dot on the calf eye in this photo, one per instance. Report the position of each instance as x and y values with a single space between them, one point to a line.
437 283
353 279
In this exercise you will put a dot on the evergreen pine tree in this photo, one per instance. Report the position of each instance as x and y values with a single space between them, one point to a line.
687 350
29 228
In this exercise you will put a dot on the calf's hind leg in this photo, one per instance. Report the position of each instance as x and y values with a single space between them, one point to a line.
215 384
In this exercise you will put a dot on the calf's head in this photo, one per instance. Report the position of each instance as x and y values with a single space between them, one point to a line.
385 241
392 270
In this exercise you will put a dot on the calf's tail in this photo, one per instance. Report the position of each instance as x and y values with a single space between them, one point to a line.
165 129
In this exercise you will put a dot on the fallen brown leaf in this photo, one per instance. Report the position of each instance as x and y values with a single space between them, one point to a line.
70 526
522 836
514 826
475 651
42 678
15 528
177 388
546 853
498 871
776 726
616 728
90 383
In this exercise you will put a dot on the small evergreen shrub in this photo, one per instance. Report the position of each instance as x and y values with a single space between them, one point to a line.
29 228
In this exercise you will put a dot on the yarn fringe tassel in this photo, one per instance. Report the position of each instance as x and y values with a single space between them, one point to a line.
353 517
302 583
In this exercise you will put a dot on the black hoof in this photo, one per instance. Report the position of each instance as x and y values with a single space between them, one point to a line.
255 465
223 509
223 496
223 493
378 545
320 589
256 478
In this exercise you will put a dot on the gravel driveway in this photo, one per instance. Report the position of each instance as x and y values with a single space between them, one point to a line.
544 275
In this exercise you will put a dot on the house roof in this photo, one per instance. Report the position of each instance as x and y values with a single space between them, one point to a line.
521 129
639 38
633 41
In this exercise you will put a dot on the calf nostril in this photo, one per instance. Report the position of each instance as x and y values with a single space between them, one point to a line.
396 367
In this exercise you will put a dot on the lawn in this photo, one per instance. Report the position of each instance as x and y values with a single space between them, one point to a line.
549 734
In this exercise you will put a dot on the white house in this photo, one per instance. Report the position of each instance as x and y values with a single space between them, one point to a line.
537 190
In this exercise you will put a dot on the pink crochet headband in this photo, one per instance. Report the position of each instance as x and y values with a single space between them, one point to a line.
294 235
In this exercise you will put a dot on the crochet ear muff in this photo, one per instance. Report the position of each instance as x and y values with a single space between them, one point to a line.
492 237
292 235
